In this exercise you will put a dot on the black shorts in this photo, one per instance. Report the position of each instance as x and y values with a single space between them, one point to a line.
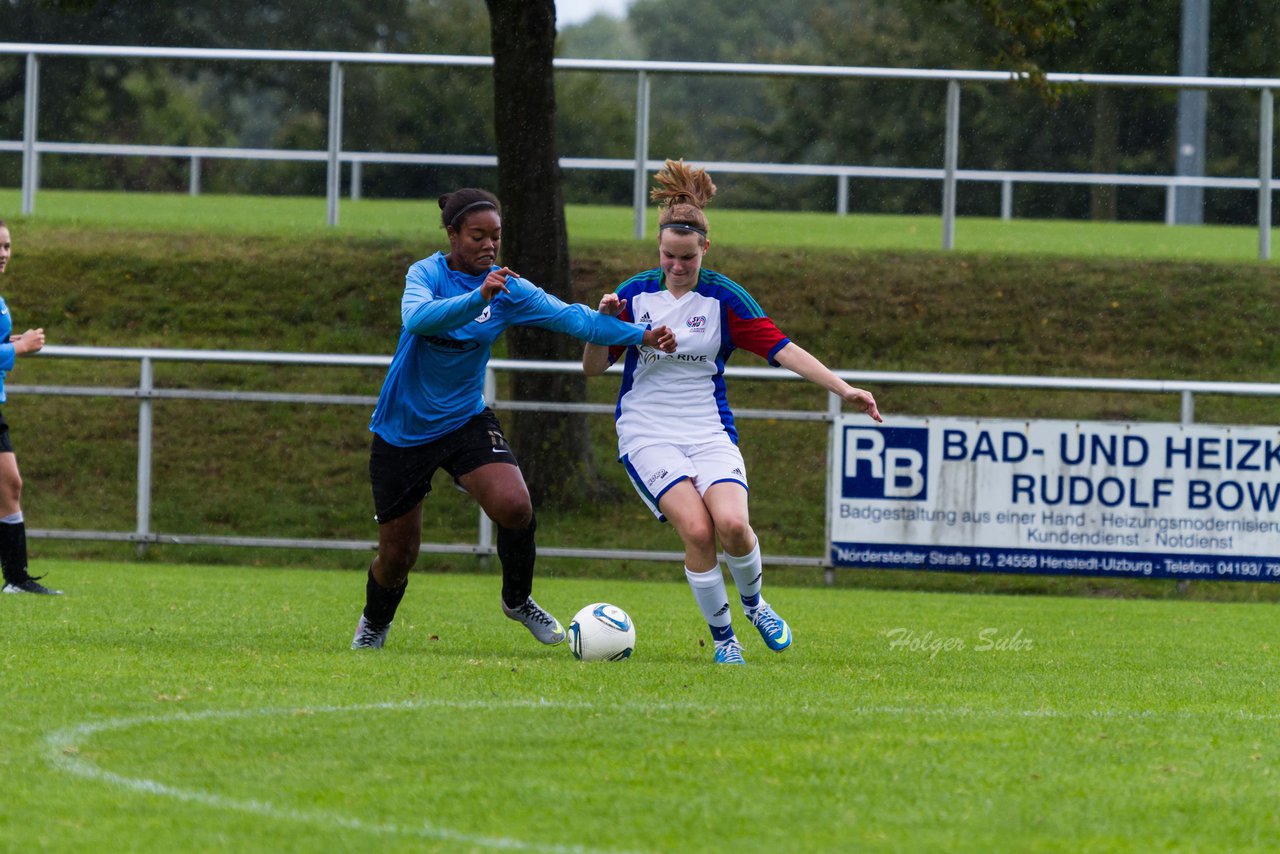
401 477
6 445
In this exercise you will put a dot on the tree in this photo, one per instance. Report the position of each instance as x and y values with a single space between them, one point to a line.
554 449
1026 29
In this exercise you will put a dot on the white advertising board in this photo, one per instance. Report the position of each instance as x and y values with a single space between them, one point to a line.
1060 497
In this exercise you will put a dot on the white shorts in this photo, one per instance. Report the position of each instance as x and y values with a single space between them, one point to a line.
656 468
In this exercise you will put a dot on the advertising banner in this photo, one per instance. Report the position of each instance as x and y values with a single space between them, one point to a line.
1061 497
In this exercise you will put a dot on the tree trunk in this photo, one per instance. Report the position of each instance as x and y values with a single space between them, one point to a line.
554 449
1105 155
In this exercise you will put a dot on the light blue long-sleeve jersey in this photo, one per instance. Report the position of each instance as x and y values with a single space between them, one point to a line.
436 380
8 355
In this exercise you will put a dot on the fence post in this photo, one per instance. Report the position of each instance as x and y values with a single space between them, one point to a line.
1266 144
1170 204
642 152
146 383
951 155
357 176
30 112
1188 407
834 403
484 537
193 180
335 142
842 195
1006 200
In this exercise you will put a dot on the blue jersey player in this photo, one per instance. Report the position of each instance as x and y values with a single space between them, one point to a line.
13 531
431 413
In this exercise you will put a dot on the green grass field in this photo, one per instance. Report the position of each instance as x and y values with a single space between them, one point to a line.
274 215
162 707
181 708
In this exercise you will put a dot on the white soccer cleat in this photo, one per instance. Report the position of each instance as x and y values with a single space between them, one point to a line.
369 636
540 624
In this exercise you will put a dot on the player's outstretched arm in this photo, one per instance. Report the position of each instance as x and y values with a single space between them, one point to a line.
595 357
535 307
796 359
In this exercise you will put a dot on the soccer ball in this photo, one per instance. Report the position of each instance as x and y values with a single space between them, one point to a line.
602 632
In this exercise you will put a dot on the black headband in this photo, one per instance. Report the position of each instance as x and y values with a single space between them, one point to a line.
453 223
684 227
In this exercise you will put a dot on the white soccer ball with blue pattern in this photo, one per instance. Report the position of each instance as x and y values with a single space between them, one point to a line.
602 632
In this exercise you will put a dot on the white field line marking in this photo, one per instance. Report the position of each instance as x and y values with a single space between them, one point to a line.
64 745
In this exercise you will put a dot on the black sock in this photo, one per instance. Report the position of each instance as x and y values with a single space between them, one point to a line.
13 552
517 551
380 603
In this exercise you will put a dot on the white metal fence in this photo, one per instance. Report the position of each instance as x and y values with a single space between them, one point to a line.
146 393
948 172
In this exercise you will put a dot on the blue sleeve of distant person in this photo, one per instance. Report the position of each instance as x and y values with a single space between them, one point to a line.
8 353
423 314
535 307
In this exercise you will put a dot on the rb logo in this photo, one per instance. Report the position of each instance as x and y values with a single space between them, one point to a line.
885 462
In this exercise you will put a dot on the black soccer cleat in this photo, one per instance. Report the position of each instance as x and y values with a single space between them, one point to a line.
30 585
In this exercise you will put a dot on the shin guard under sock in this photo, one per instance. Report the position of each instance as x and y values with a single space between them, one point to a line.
713 601
517 553
380 603
13 551
747 577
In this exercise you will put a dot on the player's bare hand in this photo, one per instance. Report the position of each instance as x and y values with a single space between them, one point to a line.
611 305
496 283
864 401
660 338
28 342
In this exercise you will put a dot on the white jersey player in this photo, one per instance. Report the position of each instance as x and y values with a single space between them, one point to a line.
676 435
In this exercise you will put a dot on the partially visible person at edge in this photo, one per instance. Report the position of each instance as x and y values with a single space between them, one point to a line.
13 531
431 412
676 435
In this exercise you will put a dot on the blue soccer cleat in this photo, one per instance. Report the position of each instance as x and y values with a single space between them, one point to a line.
729 652
774 629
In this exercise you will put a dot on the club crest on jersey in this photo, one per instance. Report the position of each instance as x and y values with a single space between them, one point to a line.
696 322
485 315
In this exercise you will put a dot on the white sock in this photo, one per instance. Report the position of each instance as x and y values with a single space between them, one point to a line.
748 576
713 600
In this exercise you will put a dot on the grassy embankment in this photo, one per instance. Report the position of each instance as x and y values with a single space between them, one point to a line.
155 278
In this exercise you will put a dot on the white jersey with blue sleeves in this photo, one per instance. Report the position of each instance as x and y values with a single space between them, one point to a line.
681 397
436 380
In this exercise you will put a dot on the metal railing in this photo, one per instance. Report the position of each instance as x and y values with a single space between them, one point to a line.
146 393
949 173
